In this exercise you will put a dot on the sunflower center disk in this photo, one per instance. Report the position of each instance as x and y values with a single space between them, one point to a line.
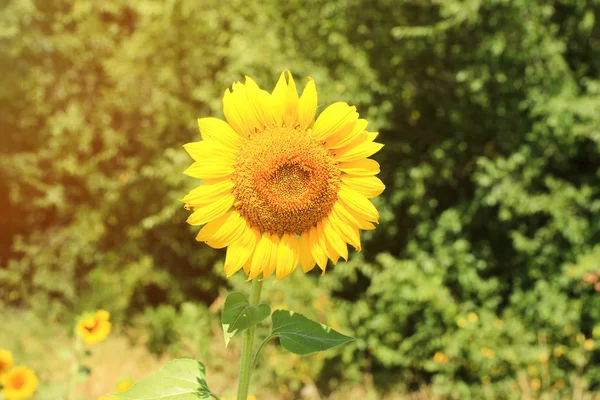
18 381
285 181
91 328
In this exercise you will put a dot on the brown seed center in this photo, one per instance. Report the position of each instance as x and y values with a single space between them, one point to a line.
290 181
17 381
285 181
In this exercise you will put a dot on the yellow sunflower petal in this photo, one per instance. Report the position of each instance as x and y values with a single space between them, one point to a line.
6 362
214 129
351 217
317 251
233 115
261 256
239 112
348 232
287 256
253 123
278 99
265 256
240 251
334 239
204 150
102 315
368 186
260 100
271 266
207 213
363 167
331 254
372 135
359 204
210 169
345 136
222 231
290 112
361 147
248 263
329 250
307 105
325 245
208 193
307 261
364 150
333 119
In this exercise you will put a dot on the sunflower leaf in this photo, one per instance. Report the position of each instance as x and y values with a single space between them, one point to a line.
301 335
181 379
239 315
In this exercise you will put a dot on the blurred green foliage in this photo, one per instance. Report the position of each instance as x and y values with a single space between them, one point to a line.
481 280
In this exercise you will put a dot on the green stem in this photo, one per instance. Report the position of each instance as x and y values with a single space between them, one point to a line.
247 339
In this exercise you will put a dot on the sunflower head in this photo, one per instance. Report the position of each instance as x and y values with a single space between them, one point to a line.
282 189
94 327
6 361
19 383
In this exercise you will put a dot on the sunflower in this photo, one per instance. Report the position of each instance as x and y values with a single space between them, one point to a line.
19 383
6 361
281 189
94 327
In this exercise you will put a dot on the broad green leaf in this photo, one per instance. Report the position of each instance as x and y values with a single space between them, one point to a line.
239 315
301 335
181 379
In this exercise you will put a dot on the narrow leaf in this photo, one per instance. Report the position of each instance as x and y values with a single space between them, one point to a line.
301 335
239 315
181 379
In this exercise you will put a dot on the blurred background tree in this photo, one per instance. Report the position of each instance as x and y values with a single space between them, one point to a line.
481 280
